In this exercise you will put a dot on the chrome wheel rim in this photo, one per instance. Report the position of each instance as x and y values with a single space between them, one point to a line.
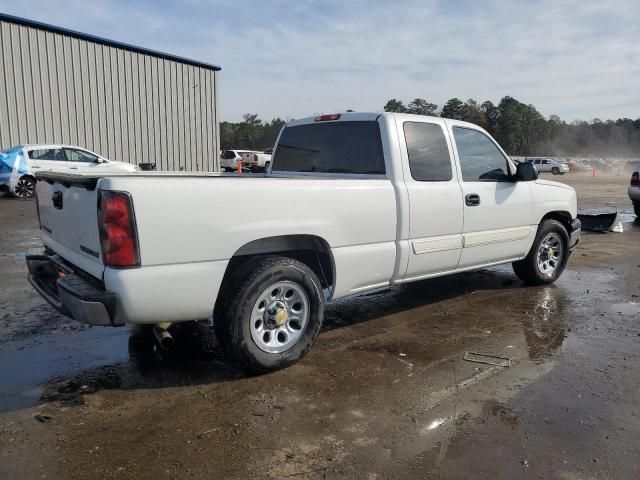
279 317
550 254
24 188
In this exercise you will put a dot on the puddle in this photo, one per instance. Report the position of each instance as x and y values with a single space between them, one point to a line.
65 367
27 364
629 308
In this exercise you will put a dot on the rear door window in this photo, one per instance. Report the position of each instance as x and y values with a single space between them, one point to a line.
429 159
331 147
229 155
47 154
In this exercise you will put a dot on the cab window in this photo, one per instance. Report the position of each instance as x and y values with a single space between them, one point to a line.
352 147
480 159
429 159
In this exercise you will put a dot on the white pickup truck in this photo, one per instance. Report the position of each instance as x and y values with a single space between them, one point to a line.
257 161
356 201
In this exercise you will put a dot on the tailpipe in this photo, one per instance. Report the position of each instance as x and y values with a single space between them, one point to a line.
163 337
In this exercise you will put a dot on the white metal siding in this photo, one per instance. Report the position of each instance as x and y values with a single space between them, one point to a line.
125 105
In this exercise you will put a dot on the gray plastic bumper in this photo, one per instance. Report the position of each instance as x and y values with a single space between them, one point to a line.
69 293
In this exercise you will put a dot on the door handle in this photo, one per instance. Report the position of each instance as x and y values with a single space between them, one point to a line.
73 168
56 199
36 166
472 200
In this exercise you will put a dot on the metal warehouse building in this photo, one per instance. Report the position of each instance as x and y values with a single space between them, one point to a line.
123 102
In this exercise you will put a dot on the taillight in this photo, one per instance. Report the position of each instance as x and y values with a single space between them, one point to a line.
326 118
118 236
255 158
635 179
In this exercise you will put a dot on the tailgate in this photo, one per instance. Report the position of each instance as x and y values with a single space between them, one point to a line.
68 210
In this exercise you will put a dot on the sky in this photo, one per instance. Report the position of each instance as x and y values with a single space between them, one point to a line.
289 59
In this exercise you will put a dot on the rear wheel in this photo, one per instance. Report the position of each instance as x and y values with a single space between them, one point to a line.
271 313
25 188
548 255
555 170
636 208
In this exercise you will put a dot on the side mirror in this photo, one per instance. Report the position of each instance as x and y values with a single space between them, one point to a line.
526 172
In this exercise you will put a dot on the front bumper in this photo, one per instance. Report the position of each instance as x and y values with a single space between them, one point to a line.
574 234
69 293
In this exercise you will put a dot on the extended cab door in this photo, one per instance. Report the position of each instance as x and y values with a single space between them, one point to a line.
435 198
497 209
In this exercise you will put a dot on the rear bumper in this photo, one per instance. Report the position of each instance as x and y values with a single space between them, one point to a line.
69 293
574 235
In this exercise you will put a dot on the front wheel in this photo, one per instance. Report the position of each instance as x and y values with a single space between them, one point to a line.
548 255
636 208
555 170
271 313
25 188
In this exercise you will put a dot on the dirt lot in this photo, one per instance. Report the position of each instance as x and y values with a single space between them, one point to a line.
384 393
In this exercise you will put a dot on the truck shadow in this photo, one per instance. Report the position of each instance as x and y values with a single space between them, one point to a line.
197 357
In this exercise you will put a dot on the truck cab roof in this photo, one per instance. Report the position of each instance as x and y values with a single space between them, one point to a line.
373 116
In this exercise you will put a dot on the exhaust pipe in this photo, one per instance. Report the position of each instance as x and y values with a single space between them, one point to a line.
163 337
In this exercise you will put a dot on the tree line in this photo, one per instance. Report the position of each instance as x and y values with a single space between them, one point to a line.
522 130
519 128
250 134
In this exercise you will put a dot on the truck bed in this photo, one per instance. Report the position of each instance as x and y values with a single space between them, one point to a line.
190 224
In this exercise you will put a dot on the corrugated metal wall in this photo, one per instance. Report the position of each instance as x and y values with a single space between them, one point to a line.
122 104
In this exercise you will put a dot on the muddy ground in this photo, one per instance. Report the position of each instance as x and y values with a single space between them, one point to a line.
384 393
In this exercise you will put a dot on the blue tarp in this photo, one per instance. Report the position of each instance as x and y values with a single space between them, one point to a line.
13 165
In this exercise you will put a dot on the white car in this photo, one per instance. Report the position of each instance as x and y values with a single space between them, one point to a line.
634 190
229 159
550 165
352 202
30 159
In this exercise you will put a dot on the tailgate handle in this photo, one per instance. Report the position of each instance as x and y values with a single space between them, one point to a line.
57 200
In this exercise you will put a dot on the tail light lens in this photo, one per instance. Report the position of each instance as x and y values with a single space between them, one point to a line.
118 236
635 179
255 158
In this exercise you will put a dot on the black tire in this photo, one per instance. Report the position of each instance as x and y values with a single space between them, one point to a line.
240 294
555 170
528 269
636 208
25 188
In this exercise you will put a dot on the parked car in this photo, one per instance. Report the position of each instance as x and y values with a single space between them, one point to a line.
550 165
634 190
229 159
256 161
352 202
26 160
